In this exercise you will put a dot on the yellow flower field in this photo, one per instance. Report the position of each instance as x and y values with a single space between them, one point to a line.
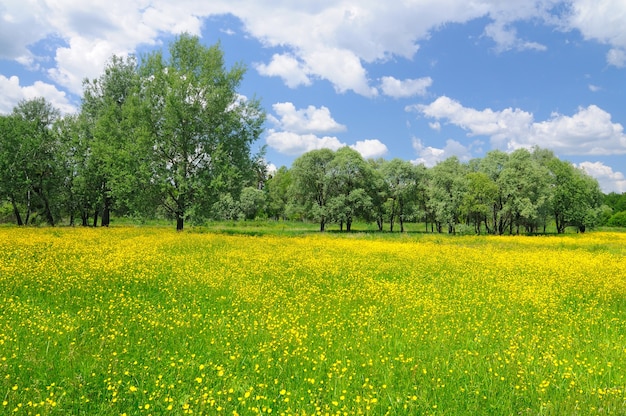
148 321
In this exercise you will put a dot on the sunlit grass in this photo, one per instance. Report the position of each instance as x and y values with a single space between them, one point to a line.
150 321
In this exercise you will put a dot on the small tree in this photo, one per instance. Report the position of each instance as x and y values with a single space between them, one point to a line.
252 202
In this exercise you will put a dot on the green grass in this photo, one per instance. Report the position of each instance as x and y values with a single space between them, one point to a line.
144 320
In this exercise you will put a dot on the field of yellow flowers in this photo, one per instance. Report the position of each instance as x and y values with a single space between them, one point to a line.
139 321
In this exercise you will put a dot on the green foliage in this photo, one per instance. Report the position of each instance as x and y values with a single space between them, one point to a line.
277 193
617 220
200 129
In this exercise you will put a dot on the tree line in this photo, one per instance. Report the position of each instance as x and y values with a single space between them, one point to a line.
170 137
501 193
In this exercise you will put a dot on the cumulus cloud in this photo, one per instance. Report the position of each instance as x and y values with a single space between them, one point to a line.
405 88
590 131
294 144
320 39
430 156
11 92
288 68
307 120
506 38
370 149
602 21
609 180
301 130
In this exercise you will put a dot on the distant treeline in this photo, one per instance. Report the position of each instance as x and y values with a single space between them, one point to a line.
171 138
502 193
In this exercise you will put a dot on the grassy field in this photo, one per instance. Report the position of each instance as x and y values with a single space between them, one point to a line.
141 321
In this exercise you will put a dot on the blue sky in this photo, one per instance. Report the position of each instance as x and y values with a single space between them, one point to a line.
421 80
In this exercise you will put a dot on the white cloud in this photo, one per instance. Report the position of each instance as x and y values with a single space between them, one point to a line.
298 131
430 156
321 39
342 68
288 68
307 120
594 88
603 21
427 155
616 57
11 92
506 38
295 144
402 89
609 180
435 126
271 168
370 149
588 132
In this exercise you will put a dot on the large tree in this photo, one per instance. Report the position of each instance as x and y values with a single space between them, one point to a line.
402 180
311 185
350 178
446 190
524 184
29 161
576 197
277 193
201 129
110 111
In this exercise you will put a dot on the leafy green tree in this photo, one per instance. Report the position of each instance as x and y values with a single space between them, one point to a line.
402 180
479 199
13 184
71 134
350 175
576 198
492 165
377 191
277 193
201 130
252 202
29 161
109 109
226 208
616 201
524 186
312 184
446 190
617 220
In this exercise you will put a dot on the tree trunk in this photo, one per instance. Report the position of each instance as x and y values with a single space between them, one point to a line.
180 222
95 218
348 225
47 211
16 212
322 224
106 213
28 210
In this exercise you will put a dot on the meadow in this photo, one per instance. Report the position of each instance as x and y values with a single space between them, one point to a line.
144 320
